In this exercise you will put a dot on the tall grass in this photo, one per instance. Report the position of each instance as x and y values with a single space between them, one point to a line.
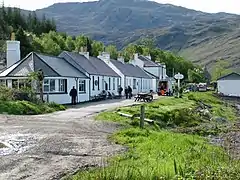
154 153
164 155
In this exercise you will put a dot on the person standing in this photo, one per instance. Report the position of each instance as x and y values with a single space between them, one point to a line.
129 92
126 92
73 94
120 89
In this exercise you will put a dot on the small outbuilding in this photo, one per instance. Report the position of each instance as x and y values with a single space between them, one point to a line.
229 85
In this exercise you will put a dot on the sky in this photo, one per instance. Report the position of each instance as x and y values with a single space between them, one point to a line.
212 6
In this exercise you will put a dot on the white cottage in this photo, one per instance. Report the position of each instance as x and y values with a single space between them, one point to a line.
59 76
156 70
101 76
229 85
131 75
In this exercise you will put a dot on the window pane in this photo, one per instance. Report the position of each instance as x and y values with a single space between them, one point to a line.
46 88
114 84
82 86
15 83
46 81
52 85
61 85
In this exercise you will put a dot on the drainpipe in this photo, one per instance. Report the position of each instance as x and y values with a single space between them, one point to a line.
89 86
76 79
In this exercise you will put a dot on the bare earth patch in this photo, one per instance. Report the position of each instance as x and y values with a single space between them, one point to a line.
51 146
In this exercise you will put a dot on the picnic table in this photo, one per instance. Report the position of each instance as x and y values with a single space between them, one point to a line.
146 97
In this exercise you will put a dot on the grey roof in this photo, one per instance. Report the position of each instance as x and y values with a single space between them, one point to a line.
231 76
51 66
130 70
61 66
92 65
148 62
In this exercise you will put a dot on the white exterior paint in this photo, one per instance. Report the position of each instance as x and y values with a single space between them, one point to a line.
103 80
229 87
13 52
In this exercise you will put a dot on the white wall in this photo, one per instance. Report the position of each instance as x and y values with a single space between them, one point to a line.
229 87
157 71
102 81
116 70
13 52
65 98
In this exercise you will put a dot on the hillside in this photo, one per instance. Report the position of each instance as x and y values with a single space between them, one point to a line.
198 36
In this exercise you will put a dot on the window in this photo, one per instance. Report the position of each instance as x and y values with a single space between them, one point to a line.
109 86
52 85
82 86
114 83
93 83
46 87
61 85
134 84
98 83
118 82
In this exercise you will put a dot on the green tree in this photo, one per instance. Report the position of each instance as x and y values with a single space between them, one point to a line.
25 46
97 47
70 44
220 69
196 76
113 51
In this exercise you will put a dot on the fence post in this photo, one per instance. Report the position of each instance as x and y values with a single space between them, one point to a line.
142 116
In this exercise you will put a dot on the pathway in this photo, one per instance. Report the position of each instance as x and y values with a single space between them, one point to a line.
49 146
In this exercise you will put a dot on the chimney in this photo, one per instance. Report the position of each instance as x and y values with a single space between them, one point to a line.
121 59
136 56
105 57
83 51
13 52
149 57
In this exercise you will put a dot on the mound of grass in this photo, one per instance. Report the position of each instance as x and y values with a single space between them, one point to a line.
2 145
164 155
28 108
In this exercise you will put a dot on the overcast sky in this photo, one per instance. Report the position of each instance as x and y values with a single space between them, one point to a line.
230 6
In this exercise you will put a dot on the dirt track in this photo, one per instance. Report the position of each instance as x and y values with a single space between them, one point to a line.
50 146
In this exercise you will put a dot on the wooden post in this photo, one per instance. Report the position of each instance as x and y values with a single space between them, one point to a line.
142 116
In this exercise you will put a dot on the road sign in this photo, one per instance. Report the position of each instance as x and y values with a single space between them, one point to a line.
179 76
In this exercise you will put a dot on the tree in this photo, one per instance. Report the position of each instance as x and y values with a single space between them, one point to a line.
70 44
196 76
25 46
38 77
97 47
220 69
112 50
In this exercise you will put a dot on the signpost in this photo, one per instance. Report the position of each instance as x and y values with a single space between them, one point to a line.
178 76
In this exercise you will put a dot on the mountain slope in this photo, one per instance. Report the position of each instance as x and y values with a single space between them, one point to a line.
198 36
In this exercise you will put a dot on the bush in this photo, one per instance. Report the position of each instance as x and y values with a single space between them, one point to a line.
28 108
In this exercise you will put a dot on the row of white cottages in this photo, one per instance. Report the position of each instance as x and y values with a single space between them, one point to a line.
89 75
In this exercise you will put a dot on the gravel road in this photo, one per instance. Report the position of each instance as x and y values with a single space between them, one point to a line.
46 147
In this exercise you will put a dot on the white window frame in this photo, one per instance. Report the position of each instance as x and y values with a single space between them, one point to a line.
54 85
114 83
82 85
134 83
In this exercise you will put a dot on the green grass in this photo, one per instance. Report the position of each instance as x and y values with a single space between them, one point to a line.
28 108
2 145
165 154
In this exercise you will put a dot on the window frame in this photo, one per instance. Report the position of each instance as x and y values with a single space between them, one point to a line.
82 83
134 83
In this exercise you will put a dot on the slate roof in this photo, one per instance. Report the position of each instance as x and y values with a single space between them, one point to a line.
93 66
52 67
231 76
130 70
148 62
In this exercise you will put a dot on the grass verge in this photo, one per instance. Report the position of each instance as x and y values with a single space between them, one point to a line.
28 108
163 154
